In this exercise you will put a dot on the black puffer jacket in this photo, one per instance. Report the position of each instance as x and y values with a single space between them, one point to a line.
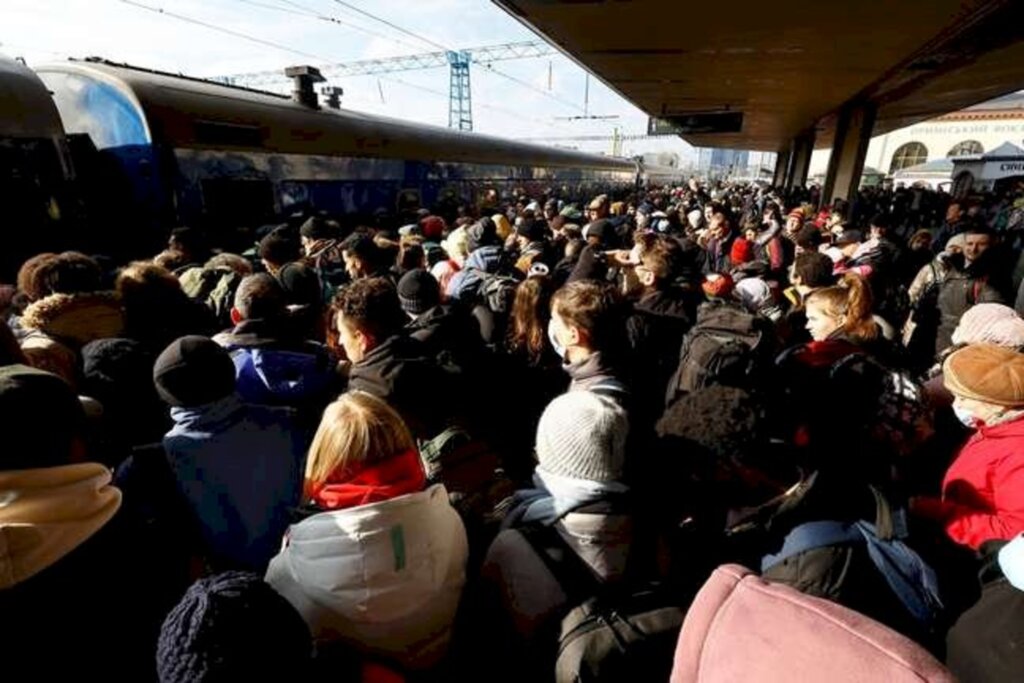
451 335
401 372
984 645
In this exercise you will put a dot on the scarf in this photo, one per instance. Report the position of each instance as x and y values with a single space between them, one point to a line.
556 496
46 513
390 478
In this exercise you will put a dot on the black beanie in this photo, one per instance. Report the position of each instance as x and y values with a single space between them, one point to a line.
193 371
39 415
418 291
232 627
319 228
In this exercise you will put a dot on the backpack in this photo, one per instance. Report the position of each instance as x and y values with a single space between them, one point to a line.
610 633
727 345
497 292
908 576
213 287
472 473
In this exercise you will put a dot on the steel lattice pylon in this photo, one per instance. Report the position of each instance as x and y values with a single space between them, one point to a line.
460 108
460 104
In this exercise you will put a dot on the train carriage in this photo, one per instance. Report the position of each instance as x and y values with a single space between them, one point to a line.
165 149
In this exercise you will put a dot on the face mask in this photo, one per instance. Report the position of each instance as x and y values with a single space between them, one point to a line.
1011 561
965 417
559 349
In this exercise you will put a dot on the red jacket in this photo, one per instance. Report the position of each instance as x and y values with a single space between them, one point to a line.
983 492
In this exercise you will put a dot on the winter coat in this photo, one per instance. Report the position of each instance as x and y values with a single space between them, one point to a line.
961 289
656 329
385 578
402 373
984 644
239 467
274 368
464 284
983 490
743 628
520 603
73 585
59 325
843 573
587 373
450 335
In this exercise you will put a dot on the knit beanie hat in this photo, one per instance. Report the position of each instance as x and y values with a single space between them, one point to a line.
988 373
433 227
718 285
232 627
742 251
754 293
193 371
990 324
582 435
39 416
418 291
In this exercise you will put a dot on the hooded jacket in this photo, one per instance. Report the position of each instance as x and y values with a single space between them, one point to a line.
983 490
59 325
402 373
47 513
73 584
273 369
239 468
465 283
384 577
743 628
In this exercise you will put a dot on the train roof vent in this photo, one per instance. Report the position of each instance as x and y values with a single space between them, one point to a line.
303 80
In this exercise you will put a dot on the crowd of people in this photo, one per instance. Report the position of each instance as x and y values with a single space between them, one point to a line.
706 432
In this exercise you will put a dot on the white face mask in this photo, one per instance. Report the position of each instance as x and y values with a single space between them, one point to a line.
1011 561
559 349
966 418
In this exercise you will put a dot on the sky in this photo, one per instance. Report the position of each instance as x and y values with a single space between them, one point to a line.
169 35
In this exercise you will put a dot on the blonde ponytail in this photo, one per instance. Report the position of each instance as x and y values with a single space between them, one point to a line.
851 298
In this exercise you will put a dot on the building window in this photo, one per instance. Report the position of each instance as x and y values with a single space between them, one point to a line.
966 147
910 154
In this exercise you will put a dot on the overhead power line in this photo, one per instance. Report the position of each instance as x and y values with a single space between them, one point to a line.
445 48
396 27
227 31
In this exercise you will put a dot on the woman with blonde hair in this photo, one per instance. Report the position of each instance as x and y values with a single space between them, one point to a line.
843 312
379 562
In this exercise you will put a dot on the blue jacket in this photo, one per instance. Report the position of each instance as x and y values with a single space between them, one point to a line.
274 370
465 283
240 469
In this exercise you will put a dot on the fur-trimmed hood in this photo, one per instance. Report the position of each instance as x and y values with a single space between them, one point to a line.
76 318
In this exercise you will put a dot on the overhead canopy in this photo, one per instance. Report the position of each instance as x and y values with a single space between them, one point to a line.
789 65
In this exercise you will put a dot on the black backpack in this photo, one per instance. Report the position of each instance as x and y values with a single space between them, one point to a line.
727 345
497 292
610 634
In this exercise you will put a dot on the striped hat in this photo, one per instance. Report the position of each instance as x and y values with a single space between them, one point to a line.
582 435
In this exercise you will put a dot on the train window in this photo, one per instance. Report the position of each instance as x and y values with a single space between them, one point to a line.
231 134
105 113
233 203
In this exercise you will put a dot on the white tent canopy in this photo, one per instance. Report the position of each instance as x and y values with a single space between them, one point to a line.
982 171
